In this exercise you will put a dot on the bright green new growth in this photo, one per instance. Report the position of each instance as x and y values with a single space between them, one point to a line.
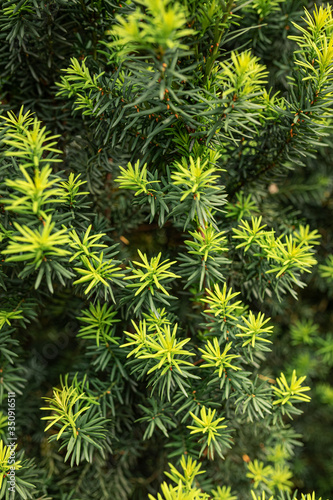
207 242
220 360
213 438
258 472
220 302
243 76
190 472
147 281
71 190
156 24
67 404
139 339
27 140
223 493
81 432
152 274
37 246
7 316
250 234
98 273
194 178
135 179
291 255
190 161
5 466
164 348
276 478
77 82
290 393
188 483
164 353
101 320
83 248
254 329
38 192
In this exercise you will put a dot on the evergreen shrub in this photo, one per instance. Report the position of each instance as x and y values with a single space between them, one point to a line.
166 199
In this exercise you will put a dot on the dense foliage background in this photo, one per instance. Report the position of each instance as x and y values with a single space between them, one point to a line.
201 132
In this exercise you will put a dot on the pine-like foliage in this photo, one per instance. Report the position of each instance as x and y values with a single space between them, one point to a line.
165 196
